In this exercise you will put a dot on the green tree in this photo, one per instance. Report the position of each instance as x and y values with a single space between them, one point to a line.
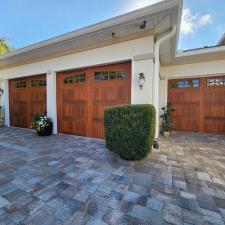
4 47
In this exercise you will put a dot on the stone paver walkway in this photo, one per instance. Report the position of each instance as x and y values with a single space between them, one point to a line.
68 180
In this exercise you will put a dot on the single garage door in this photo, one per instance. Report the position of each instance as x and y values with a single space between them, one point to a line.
27 96
83 95
199 104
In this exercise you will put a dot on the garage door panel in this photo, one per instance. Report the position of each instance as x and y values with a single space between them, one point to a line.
100 93
214 110
75 93
80 110
66 126
214 126
200 107
212 96
83 103
98 129
26 98
80 127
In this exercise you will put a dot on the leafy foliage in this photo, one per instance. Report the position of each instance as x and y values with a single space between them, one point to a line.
40 122
1 115
4 47
167 124
130 130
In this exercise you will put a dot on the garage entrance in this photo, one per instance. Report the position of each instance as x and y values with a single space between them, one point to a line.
84 94
27 96
199 104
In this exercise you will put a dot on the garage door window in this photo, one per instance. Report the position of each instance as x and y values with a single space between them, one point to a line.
185 84
75 79
109 75
38 83
215 82
21 84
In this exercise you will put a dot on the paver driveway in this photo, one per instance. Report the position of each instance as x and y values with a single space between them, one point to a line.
70 180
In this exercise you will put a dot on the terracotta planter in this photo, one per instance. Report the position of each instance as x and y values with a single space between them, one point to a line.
47 131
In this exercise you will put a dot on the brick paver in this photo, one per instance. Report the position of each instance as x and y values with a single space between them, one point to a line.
68 180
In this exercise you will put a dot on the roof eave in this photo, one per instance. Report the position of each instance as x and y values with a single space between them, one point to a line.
152 9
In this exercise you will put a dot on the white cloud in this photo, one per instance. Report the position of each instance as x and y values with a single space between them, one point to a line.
204 20
192 22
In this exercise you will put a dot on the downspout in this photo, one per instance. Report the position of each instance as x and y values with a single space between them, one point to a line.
156 79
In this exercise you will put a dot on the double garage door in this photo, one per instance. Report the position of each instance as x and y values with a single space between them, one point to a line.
82 97
27 96
199 104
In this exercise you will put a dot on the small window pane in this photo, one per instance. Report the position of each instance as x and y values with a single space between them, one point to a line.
109 75
182 84
21 84
186 84
38 83
112 75
75 79
215 82
195 83
121 76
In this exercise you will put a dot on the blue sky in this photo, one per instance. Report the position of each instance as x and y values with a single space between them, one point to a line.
24 22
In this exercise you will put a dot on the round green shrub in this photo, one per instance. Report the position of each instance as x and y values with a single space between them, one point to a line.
130 130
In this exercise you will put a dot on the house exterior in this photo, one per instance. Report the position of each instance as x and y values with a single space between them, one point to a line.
74 77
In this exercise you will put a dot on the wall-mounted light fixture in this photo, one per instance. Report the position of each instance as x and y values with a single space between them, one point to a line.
143 25
1 91
141 80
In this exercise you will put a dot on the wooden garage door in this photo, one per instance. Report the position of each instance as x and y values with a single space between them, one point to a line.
83 95
27 96
199 104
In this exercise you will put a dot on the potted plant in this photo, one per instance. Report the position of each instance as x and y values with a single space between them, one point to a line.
1 117
167 125
42 124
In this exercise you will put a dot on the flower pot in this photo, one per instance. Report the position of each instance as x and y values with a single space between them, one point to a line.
47 131
166 133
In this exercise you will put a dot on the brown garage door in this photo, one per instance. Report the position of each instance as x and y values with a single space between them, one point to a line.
199 104
83 95
27 96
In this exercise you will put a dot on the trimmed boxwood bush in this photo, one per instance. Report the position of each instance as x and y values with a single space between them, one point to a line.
130 130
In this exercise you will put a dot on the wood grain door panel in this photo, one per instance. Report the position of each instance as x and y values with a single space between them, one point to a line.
199 109
25 101
81 105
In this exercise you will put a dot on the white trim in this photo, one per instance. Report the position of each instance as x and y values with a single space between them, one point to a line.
195 52
51 98
5 101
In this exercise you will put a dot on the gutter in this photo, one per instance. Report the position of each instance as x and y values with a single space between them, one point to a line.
155 95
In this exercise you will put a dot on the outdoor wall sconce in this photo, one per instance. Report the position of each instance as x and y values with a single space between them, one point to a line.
143 25
141 80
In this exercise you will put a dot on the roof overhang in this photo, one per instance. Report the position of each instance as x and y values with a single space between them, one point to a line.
160 17
199 55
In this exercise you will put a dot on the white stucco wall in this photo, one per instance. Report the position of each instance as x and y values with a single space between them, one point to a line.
129 50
